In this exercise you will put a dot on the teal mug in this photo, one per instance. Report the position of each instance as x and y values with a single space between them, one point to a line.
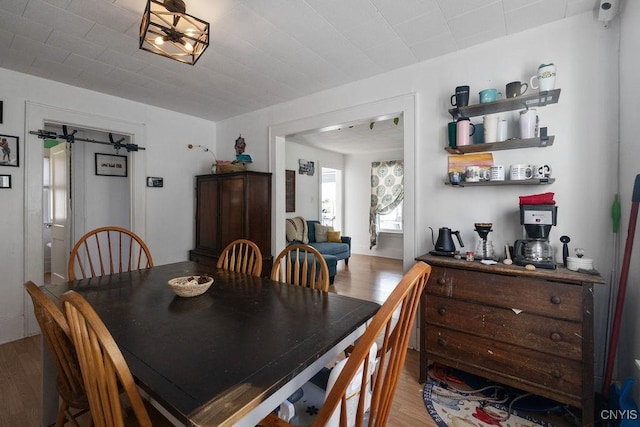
489 95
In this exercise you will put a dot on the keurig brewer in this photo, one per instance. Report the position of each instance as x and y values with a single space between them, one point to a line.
536 249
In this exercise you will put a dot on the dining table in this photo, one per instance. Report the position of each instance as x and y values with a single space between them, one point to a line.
227 357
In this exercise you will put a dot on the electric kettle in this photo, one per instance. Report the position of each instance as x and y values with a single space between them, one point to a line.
444 245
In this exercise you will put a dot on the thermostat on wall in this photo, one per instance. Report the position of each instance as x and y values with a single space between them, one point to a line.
155 181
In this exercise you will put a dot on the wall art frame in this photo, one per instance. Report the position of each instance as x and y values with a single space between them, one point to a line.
9 150
111 165
306 167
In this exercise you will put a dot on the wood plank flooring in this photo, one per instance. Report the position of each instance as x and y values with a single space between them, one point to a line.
371 278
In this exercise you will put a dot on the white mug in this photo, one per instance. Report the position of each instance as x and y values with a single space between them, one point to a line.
541 171
546 78
496 173
490 123
476 174
521 172
528 123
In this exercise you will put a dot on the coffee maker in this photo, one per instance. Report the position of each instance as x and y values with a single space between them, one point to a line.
536 249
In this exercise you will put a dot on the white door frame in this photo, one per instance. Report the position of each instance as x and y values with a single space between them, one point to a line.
405 104
36 115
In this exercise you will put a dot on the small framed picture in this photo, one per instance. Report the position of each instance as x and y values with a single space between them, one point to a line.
5 181
10 150
111 165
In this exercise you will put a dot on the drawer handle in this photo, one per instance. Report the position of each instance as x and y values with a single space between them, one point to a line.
442 342
556 337
555 300
556 374
442 311
442 281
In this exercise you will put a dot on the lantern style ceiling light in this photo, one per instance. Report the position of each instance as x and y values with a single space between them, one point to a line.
167 30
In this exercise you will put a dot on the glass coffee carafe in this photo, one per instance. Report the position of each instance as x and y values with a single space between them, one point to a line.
484 248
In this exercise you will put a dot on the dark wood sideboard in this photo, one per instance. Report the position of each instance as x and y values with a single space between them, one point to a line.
532 330
232 206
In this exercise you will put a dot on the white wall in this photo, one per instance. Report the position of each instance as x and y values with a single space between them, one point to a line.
169 219
629 350
308 186
358 196
585 123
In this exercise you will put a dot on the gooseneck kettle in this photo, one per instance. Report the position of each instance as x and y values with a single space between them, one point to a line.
444 245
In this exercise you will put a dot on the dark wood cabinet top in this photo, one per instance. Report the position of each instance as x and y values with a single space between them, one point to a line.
560 274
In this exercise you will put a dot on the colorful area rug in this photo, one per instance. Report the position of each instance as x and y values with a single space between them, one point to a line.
449 404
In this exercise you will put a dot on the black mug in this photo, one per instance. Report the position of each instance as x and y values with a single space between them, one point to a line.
515 89
461 97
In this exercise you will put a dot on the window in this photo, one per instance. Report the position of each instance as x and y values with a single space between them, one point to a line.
391 222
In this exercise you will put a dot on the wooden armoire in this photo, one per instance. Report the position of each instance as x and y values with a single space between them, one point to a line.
232 206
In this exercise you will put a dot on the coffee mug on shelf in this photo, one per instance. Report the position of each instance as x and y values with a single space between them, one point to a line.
542 171
520 172
476 174
455 177
489 95
528 123
546 78
461 97
515 89
464 129
451 131
490 123
478 135
496 173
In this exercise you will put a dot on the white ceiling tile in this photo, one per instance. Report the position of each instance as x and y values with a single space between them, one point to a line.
533 15
454 8
254 27
344 15
434 47
104 13
57 18
422 27
50 53
394 54
486 20
480 37
99 34
62 4
120 60
371 33
89 65
15 60
575 7
74 44
395 13
57 71
25 27
16 7
5 37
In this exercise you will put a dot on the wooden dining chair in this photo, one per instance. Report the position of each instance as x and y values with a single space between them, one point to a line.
108 250
55 331
301 265
105 372
241 256
344 405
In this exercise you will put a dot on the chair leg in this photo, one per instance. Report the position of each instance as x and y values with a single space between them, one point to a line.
346 261
62 414
331 279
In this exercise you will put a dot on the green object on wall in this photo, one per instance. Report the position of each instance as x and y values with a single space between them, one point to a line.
48 143
615 213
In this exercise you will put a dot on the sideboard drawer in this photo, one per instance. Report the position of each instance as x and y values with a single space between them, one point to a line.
550 375
548 335
547 298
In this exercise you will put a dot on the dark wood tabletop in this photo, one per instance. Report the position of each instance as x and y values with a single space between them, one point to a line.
211 359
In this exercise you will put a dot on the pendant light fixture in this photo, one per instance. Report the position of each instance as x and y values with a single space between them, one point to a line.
167 30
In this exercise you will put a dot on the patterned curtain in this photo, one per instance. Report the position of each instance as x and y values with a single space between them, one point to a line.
387 192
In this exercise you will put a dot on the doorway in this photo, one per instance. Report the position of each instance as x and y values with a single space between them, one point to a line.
76 198
331 198
386 109
37 115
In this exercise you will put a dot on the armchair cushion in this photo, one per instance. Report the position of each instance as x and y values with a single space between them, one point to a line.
296 229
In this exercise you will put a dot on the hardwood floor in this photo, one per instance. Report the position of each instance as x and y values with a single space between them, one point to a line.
365 277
